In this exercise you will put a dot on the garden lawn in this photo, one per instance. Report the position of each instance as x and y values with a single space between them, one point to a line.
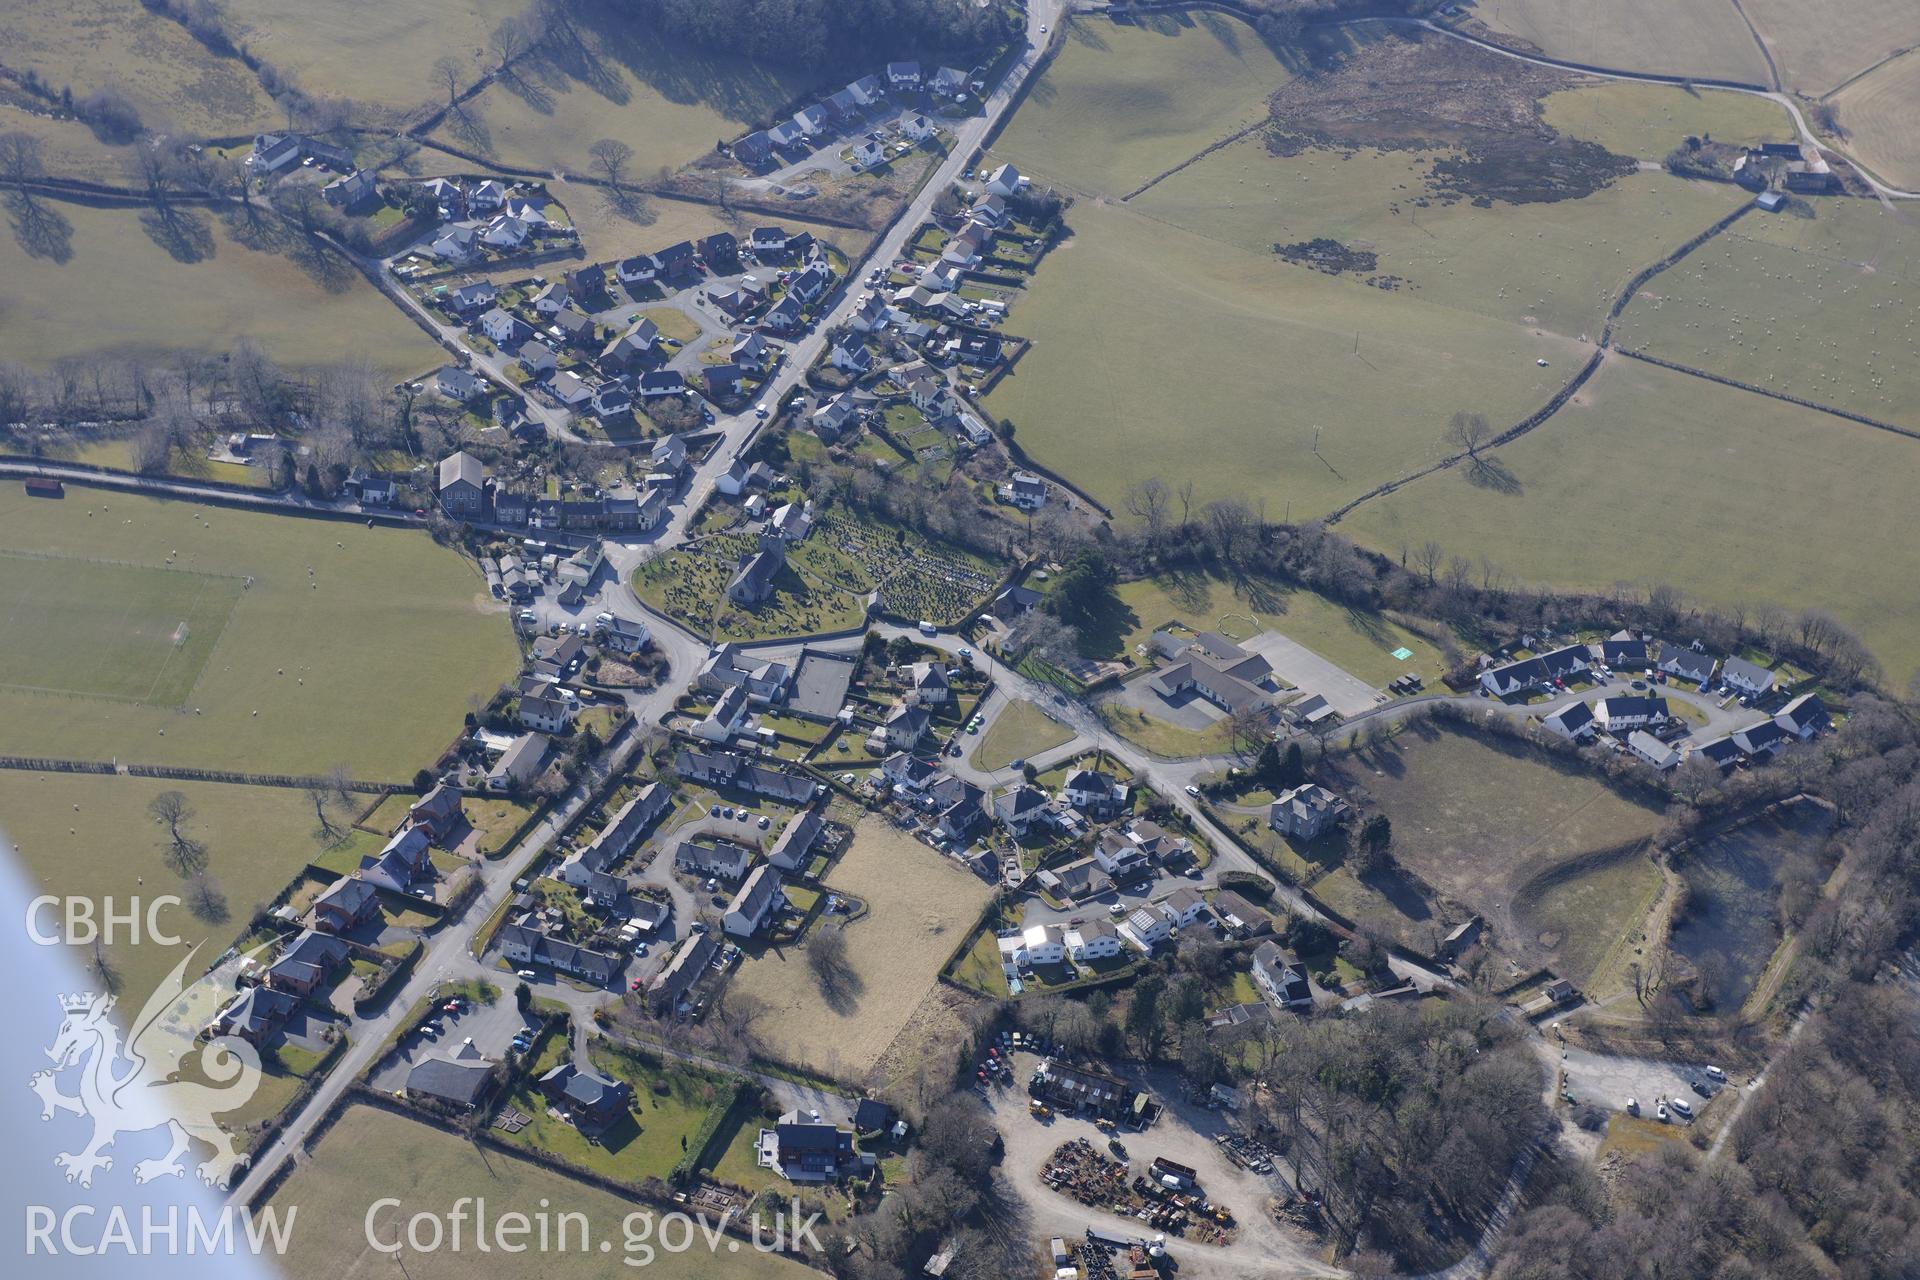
1020 731
673 1104
1835 495
1811 303
369 1154
88 835
919 906
118 293
1122 104
1198 359
368 662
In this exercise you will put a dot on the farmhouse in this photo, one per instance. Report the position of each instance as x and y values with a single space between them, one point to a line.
1306 812
1746 677
669 988
759 899
1618 714
1215 668
1535 673
1280 977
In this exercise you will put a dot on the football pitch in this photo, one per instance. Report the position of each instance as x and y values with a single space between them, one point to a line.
136 633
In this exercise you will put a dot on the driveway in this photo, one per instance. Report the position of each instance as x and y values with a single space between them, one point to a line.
1308 671
1263 1249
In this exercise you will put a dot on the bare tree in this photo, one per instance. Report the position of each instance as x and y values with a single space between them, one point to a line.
513 37
1466 432
325 829
185 856
1147 501
450 75
20 159
611 156
1428 556
1186 503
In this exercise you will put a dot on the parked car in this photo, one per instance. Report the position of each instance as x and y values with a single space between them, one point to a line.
1681 1107
1633 1106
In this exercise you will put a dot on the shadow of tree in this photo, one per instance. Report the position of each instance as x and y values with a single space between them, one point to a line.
1494 474
187 236
41 230
629 206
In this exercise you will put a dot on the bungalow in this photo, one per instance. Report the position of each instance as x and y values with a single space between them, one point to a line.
903 75
1093 940
1077 881
795 846
1093 793
472 297
305 963
255 1015
1686 664
662 382
1572 722
1215 668
1005 180
981 350
462 487
457 384
1306 812
1535 673
1804 717
759 899
1622 652
345 904
1280 977
853 358
1746 677
691 959
504 329
1652 750
593 1102
570 389
1618 714
1242 918
519 764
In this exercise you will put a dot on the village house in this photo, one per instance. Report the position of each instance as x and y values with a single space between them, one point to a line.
759 898
1306 812
255 1015
1621 713
523 942
345 905
903 75
794 847
348 191
729 769
716 859
547 712
1573 722
903 728
1071 1088
520 763
1242 918
1120 857
438 813
1096 794
503 328
1622 651
472 297
1020 808
668 991
457 384
1540 672
1280 977
1746 677
728 717
1652 750
1146 928
1028 492
1076 881
726 666
305 964
804 1150
632 348
1182 907
617 839
593 1103
1687 664
1093 940
1761 739
908 773
959 808
1804 717
1034 946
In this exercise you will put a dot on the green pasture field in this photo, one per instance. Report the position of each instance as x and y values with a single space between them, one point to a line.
1821 45
111 630
1019 732
1647 121
90 835
667 101
1881 112
1540 267
117 292
1122 104
383 56
1360 644
1657 477
1483 824
1815 304
1668 37
175 83
371 1154
1186 357
368 662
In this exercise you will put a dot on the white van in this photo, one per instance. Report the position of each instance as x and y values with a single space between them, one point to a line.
928 629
